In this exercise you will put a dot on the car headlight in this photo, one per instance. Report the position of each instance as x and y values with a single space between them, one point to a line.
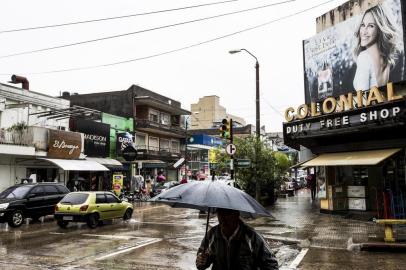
3 206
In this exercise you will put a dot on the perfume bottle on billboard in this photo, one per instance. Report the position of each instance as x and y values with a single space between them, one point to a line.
325 81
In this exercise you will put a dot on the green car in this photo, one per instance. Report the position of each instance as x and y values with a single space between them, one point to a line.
91 207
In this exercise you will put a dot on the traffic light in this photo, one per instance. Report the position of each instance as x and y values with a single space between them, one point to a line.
225 129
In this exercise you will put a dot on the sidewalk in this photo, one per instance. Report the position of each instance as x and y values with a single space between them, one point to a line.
331 240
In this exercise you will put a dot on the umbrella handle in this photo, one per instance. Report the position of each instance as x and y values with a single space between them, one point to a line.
206 241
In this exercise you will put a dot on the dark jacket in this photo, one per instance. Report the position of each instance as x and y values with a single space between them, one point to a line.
246 251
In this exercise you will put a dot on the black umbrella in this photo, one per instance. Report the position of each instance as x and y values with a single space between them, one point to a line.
208 196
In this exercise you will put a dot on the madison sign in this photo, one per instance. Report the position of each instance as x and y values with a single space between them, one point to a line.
97 137
64 144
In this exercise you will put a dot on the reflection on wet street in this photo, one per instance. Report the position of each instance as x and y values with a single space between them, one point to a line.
160 237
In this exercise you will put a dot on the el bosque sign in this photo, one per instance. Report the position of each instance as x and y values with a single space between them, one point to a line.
344 103
64 144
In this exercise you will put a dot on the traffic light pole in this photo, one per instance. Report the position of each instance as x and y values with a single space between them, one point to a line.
232 156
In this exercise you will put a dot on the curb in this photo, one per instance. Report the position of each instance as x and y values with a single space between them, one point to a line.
380 246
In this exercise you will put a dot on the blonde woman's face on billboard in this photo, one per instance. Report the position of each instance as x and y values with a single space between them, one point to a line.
368 30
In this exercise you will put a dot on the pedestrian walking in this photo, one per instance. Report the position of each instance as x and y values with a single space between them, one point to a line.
312 185
233 245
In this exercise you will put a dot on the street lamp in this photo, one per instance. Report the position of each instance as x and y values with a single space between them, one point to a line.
258 134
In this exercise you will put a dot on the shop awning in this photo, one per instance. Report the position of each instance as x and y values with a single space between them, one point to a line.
371 157
298 165
152 163
77 165
108 162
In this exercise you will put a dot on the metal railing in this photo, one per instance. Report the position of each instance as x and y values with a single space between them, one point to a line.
17 137
156 150
145 123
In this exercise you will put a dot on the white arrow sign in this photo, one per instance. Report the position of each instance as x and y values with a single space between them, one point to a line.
231 149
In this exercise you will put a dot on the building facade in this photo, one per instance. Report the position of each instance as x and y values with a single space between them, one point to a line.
208 113
158 126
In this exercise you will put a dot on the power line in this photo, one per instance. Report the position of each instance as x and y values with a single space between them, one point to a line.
143 31
112 18
272 107
181 48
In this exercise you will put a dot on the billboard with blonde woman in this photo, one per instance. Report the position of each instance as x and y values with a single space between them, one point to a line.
361 46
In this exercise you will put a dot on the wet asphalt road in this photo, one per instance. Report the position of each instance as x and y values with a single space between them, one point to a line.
160 237
156 238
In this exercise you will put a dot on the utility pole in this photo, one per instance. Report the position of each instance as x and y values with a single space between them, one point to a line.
258 131
186 153
232 156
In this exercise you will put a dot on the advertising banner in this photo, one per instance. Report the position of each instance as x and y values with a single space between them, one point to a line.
97 136
118 182
365 49
64 144
124 141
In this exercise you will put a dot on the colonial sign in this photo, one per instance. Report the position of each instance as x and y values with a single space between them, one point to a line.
97 137
64 144
369 110
343 103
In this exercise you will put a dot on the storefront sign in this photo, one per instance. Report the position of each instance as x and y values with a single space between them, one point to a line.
118 181
64 144
356 191
327 123
357 204
97 137
343 103
123 140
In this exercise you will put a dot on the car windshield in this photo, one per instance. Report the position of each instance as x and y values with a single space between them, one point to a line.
74 198
18 192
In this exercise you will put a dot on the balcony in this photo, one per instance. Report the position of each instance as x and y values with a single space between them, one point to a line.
16 137
159 128
151 152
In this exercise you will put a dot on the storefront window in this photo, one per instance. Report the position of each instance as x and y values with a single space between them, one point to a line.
164 145
154 116
140 141
360 176
153 144
175 146
165 119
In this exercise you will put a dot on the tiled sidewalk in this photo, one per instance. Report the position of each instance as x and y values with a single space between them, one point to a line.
298 218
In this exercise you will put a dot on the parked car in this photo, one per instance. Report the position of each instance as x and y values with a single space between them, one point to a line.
91 207
29 200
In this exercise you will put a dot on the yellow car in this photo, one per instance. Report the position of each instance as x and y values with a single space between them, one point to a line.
91 207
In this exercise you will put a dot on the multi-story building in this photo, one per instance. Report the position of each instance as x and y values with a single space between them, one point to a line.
35 144
208 113
159 130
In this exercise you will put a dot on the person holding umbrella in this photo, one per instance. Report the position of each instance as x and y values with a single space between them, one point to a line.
231 245
234 245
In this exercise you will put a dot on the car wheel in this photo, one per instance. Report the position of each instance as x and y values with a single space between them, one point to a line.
92 221
16 218
128 214
63 224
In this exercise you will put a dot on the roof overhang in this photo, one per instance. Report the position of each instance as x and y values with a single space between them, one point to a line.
150 101
370 158
108 162
77 165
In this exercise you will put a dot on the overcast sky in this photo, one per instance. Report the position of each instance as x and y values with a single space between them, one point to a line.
184 75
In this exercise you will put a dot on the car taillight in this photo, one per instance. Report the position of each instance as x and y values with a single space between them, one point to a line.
56 208
84 207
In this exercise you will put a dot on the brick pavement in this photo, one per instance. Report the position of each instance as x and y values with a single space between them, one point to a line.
303 222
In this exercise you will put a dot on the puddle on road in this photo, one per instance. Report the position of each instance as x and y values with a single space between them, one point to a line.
286 254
